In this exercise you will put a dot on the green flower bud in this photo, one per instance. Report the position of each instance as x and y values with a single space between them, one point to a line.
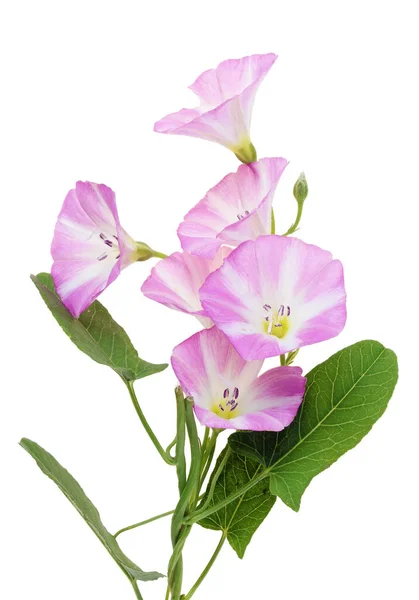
300 190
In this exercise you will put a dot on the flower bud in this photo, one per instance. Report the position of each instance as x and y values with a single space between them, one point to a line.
300 190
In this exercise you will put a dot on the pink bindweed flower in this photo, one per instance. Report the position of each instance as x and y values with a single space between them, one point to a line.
226 97
276 294
226 389
90 248
175 282
237 209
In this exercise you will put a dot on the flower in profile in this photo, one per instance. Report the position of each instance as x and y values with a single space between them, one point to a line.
226 96
237 209
90 248
226 389
175 282
276 294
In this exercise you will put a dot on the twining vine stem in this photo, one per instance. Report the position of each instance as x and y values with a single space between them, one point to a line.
207 568
165 456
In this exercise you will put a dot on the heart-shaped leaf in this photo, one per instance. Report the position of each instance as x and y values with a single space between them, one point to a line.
72 490
345 396
239 519
96 334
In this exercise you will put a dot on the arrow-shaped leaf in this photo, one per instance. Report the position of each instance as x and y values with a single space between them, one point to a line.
96 334
240 519
345 396
72 490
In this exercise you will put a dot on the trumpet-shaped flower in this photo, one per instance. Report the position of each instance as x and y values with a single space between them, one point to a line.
226 97
90 248
276 294
227 392
176 280
237 209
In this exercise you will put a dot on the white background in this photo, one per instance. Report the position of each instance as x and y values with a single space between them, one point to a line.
82 84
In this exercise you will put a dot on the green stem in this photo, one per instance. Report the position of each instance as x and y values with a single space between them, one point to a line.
166 514
272 221
215 479
283 360
179 531
180 439
159 254
208 455
294 226
136 590
201 514
167 459
207 568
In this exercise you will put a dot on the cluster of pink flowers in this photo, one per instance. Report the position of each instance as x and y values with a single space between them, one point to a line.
257 295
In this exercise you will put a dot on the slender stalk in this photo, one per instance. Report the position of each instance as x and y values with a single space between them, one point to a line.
167 459
272 221
283 359
166 514
207 568
294 226
200 514
208 455
179 531
159 254
170 446
136 590
180 439
215 479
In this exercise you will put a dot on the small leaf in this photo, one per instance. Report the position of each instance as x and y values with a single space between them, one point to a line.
72 490
239 519
96 334
345 396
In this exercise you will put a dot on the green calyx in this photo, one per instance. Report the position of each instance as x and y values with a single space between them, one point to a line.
144 252
245 152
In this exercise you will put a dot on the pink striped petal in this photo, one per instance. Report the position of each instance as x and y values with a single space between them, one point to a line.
237 209
175 281
226 97
227 392
276 294
90 247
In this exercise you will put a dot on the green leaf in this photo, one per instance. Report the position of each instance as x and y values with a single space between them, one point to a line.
72 490
345 396
239 519
96 334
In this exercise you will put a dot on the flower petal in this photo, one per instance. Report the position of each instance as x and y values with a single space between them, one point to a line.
226 390
238 208
227 94
90 247
261 280
207 363
175 281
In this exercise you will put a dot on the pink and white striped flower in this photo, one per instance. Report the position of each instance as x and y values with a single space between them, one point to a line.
276 294
227 392
176 280
90 248
237 209
226 95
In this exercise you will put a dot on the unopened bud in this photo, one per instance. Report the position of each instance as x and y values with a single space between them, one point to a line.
300 190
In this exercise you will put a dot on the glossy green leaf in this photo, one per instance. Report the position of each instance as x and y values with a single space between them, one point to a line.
74 493
96 334
239 519
345 396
